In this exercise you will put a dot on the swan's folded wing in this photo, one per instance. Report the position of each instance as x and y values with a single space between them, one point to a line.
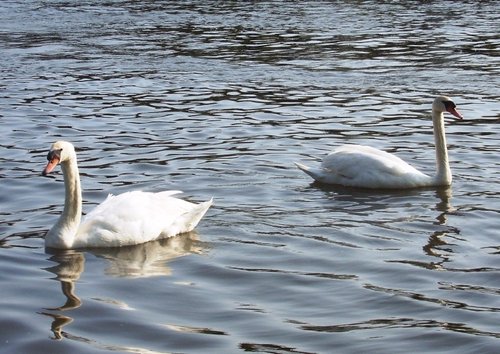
363 159
366 166
125 199
133 218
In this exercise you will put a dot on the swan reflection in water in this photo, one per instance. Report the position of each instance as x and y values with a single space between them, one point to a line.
144 260
437 245
366 202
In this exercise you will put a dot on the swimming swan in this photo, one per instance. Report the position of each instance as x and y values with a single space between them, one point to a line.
126 219
367 167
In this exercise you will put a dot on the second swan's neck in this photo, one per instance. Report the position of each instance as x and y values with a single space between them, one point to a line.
63 233
443 175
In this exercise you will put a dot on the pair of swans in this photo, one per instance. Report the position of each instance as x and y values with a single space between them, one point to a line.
137 217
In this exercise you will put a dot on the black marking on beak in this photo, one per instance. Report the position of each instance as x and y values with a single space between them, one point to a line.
54 154
449 105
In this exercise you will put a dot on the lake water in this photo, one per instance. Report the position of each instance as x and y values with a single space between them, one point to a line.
219 99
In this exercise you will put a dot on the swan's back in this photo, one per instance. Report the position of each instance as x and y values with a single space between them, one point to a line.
136 217
364 166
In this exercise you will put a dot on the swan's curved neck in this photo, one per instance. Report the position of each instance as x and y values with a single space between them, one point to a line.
443 175
63 233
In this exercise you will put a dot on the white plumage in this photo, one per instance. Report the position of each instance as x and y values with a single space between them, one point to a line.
126 219
367 167
364 166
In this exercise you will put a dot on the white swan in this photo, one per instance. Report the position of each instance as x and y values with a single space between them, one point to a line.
367 167
126 219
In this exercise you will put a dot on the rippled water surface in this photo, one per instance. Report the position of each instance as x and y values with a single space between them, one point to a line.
219 99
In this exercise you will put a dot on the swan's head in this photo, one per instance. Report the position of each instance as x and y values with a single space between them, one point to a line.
60 152
445 104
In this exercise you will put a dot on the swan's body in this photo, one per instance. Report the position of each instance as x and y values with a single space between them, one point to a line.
367 167
126 219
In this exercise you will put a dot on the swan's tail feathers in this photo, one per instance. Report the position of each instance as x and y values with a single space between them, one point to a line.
191 218
302 167
200 211
313 172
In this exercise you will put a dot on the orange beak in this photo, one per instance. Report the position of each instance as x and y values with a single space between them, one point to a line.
50 166
455 113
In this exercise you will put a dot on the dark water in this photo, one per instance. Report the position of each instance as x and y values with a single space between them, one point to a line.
219 99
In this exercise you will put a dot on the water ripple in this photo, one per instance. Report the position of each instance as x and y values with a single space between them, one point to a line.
220 100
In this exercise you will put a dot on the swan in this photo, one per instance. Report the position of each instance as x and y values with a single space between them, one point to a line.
126 219
367 167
